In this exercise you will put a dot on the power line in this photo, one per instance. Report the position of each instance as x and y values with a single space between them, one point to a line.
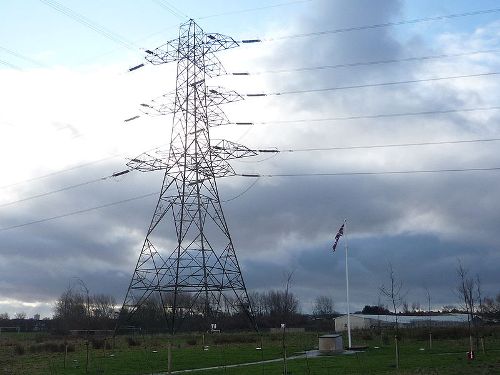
217 15
385 24
274 151
380 84
77 212
423 171
367 63
69 169
373 116
391 145
254 9
22 57
242 193
90 24
171 9
60 171
66 188
9 65
259 176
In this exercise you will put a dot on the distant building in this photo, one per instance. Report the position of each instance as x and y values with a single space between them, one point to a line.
362 321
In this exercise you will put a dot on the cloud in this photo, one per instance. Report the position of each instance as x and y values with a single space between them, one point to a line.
421 223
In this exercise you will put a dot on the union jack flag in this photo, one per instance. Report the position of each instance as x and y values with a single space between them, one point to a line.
337 237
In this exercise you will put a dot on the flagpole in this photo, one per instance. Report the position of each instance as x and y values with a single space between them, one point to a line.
347 285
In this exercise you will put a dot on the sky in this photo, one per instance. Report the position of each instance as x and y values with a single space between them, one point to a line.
66 89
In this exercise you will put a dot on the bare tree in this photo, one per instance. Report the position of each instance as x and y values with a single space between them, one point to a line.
20 315
281 305
406 307
394 294
70 311
323 306
257 301
4 316
102 306
428 292
479 294
465 291
287 292
78 310
491 307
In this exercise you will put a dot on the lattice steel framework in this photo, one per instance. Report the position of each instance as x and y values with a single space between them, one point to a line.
188 259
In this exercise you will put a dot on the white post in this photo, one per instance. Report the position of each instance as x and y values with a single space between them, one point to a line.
347 285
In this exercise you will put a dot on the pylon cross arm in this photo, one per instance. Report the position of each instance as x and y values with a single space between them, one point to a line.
163 54
215 42
218 95
227 150
146 162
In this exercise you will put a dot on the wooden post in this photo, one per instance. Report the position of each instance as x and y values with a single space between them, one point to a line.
65 353
169 357
482 345
430 340
397 351
87 360
285 370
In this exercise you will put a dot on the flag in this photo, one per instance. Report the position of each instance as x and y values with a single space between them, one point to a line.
337 237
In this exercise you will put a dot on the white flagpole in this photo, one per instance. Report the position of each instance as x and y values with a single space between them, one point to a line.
347 285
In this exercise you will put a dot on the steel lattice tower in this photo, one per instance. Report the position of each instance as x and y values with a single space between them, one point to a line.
188 259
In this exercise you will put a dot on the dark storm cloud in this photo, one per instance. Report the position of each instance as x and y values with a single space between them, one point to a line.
420 223
99 247
429 220
317 271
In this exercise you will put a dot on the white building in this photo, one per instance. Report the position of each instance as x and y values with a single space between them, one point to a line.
362 321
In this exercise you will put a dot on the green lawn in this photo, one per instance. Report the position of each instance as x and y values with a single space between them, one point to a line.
44 354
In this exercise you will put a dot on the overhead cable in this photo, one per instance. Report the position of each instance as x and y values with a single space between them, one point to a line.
70 168
254 9
390 145
242 193
60 171
333 174
171 9
90 24
22 57
272 151
9 65
66 188
373 116
380 84
366 63
77 212
385 24
253 175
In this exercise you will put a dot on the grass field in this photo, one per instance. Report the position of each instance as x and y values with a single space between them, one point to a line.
42 353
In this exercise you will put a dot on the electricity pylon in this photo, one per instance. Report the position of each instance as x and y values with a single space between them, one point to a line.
188 259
